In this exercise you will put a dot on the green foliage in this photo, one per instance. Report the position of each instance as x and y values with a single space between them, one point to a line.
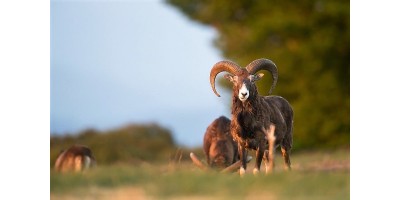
309 40
130 144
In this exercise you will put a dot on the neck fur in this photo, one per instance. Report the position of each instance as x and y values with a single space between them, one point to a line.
239 106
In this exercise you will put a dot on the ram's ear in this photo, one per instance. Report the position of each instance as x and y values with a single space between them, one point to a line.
256 77
230 77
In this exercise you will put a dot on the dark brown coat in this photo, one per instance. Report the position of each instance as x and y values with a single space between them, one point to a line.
258 122
76 158
218 145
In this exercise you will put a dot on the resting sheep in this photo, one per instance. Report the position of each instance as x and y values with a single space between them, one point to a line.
218 145
219 148
258 122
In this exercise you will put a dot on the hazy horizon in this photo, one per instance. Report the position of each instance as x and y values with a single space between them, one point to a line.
117 63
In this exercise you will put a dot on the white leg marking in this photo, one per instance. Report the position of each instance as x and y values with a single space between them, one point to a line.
256 171
242 171
271 133
266 168
271 140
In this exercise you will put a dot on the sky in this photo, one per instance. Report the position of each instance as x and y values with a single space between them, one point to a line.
113 63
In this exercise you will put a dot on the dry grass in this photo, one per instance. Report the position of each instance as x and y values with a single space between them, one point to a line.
315 175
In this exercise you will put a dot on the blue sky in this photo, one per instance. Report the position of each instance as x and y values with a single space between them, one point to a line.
119 62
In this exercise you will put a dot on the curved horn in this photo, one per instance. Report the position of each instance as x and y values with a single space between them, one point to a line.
232 167
264 64
235 165
227 66
197 162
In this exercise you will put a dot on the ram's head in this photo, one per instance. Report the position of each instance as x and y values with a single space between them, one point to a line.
244 79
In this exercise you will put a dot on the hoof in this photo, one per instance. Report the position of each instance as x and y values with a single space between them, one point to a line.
256 171
242 171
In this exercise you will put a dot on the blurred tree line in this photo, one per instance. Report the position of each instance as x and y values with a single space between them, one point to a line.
309 41
130 144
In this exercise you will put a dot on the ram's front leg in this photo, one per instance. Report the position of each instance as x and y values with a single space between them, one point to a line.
259 157
270 135
243 159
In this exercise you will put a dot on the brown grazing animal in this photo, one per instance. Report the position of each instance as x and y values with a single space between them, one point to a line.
218 144
76 158
219 148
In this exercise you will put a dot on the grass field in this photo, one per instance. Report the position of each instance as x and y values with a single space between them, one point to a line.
314 175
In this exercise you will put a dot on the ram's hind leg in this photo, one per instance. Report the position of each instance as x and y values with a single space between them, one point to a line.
286 157
286 147
266 160
270 134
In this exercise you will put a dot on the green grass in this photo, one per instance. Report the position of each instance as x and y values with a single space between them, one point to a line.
315 175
